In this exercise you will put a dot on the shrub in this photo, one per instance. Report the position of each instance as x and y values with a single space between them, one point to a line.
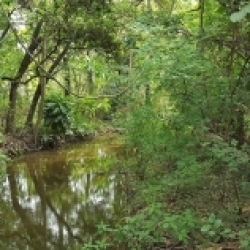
57 114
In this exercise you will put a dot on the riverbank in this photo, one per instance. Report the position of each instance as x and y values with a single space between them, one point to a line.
24 142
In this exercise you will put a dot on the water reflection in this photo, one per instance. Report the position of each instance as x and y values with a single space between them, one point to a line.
54 200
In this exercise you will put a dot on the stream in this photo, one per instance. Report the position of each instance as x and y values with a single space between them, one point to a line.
55 199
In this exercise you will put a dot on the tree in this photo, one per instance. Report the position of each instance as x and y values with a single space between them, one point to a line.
74 26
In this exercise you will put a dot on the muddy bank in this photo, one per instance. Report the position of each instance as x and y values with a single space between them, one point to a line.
24 142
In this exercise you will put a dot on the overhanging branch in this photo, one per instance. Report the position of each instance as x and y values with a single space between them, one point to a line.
48 74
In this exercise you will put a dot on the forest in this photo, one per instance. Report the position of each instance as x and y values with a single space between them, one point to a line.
169 77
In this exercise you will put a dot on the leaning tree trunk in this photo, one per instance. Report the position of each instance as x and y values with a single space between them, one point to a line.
38 92
33 105
11 112
24 65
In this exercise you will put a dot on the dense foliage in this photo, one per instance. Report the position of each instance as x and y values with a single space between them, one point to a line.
174 74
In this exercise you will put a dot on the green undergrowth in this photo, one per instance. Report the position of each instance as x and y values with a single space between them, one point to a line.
187 189
67 116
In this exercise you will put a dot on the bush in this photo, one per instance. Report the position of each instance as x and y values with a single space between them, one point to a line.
57 114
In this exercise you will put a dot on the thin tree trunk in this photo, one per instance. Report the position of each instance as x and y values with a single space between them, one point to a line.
67 78
11 113
40 109
32 109
42 83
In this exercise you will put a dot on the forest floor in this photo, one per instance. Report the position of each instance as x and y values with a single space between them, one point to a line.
222 246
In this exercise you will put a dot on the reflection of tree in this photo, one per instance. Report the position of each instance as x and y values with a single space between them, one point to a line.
120 194
57 207
104 203
11 235
56 171
38 233
31 228
40 187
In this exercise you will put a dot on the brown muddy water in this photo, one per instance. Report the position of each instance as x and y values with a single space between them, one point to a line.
55 199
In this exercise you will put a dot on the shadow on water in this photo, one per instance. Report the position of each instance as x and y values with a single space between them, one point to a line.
55 199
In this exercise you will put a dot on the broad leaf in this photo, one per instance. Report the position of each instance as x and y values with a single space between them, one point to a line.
238 16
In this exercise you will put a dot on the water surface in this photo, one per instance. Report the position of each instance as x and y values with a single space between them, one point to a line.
55 199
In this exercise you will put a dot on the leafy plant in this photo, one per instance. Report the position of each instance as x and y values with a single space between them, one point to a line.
244 238
147 133
57 114
214 229
181 226
150 226
87 114
97 245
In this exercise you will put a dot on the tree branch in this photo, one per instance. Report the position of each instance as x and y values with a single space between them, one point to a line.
48 74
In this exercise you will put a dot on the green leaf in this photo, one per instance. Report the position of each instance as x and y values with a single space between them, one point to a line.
211 233
237 16
217 223
206 228
242 233
245 243
212 218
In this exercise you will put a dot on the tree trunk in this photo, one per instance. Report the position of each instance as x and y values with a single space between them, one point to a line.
40 109
32 109
37 94
11 112
240 128
67 78
42 84
24 65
